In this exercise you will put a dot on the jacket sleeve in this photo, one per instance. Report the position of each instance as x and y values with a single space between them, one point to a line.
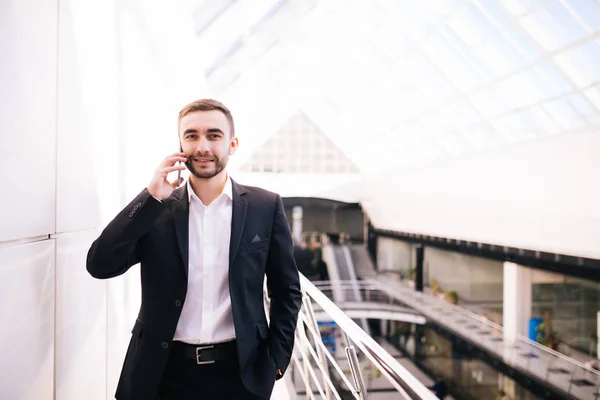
283 284
115 250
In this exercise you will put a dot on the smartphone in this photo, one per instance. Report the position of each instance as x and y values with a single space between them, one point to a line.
177 163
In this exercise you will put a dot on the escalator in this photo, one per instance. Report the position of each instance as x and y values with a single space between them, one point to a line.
362 262
344 270
468 375
346 273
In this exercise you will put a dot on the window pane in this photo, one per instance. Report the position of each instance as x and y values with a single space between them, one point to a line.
470 25
523 43
452 65
553 27
483 136
519 7
518 125
452 144
439 8
564 115
583 107
460 114
588 11
582 64
521 90
552 79
499 56
593 94
542 119
429 80
414 24
488 103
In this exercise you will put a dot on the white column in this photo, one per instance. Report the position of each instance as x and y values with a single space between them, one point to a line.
517 301
384 327
297 224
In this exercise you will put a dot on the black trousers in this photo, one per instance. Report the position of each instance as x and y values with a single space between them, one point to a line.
183 379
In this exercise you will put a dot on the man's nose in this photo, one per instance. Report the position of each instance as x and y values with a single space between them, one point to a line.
203 145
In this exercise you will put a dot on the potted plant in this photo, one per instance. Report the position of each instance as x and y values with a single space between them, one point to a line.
545 334
451 296
497 317
434 287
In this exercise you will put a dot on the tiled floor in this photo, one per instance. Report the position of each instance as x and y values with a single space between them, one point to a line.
578 381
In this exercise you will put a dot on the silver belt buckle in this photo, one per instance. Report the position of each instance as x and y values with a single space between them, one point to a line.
198 350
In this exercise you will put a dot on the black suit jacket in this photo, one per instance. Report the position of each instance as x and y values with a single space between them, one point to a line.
155 234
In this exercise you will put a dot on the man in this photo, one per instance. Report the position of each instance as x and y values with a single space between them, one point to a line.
204 250
439 388
303 258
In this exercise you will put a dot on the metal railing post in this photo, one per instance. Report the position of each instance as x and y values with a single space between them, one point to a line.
356 371
306 363
322 358
355 339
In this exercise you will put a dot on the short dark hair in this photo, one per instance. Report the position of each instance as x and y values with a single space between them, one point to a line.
207 105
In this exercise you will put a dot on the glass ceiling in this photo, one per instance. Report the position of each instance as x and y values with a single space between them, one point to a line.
399 82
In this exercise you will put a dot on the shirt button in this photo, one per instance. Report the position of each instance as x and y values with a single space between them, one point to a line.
165 345
177 303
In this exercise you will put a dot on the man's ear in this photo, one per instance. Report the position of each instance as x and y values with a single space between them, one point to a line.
233 145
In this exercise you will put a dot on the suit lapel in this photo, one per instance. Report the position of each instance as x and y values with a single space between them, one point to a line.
181 210
238 220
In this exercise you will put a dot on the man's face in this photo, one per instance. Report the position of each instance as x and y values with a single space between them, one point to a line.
206 141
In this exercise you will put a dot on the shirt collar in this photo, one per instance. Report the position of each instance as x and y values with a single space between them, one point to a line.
227 190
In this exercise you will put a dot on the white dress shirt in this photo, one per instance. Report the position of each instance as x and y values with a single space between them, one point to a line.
206 316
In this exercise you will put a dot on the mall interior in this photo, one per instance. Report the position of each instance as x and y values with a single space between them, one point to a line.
438 161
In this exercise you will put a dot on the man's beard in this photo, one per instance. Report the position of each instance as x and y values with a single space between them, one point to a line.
207 173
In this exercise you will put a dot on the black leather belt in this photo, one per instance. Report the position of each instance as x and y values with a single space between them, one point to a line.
205 354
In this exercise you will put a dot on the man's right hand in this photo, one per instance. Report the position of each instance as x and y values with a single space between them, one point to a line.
159 186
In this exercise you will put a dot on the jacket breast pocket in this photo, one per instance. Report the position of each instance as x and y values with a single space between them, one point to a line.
262 331
255 246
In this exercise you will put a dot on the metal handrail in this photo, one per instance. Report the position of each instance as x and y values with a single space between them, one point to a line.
522 338
344 284
399 377
407 296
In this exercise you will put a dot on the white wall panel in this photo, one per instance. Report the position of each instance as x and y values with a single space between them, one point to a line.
539 195
80 322
27 318
395 255
27 117
473 278
123 303
88 167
